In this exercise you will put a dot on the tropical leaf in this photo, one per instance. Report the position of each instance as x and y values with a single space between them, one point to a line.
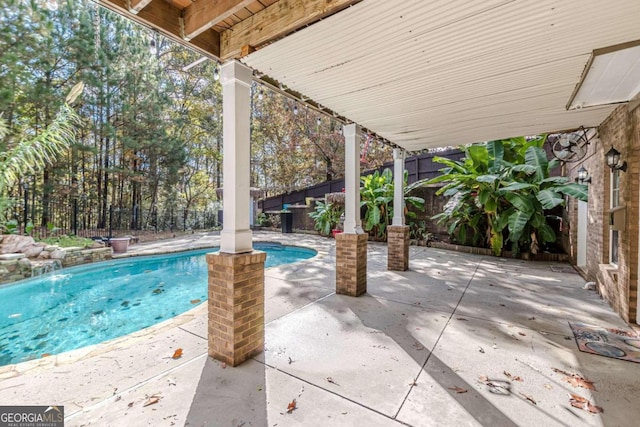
549 199
520 202
517 223
528 169
515 186
546 233
489 179
537 157
496 152
480 157
579 191
451 163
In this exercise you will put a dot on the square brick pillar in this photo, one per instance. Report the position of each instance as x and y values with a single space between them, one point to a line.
236 306
351 264
398 247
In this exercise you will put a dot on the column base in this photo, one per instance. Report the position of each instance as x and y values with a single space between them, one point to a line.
398 247
351 264
236 306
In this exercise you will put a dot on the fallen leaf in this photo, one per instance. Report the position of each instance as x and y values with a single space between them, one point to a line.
582 403
529 398
177 354
481 350
329 379
483 378
463 319
130 404
548 386
118 398
593 409
512 377
560 371
413 383
46 355
290 361
578 381
522 334
291 406
152 400
195 301
458 389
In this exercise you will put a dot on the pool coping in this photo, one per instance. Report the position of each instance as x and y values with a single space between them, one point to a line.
126 341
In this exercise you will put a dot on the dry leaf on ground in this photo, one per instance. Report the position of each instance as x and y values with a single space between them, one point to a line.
512 377
291 406
584 404
329 379
576 380
177 354
522 334
458 389
195 301
152 400
529 398
483 378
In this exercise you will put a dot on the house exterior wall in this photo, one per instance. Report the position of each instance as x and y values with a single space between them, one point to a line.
618 284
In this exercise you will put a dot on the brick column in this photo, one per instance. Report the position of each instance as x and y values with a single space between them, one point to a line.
236 306
351 264
398 247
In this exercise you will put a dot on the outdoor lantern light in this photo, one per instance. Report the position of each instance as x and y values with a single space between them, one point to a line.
613 160
583 175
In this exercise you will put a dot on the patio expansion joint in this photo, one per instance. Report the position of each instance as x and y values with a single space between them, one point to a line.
435 345
333 393
192 333
118 395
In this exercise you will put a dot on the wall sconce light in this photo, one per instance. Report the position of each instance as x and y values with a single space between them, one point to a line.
583 175
613 160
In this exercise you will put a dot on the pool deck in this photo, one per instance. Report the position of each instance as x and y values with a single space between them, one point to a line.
458 340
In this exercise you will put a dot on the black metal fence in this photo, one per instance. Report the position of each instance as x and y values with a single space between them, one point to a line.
80 218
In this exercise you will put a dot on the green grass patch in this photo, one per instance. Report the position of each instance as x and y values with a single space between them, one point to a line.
68 241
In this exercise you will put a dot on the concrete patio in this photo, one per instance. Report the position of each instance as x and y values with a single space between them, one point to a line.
441 344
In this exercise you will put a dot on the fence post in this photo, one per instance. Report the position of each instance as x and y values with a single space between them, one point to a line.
110 221
75 216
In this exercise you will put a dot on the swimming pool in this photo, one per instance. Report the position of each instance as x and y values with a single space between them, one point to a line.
86 305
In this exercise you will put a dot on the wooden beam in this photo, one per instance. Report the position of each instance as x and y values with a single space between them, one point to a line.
165 18
276 21
136 6
204 14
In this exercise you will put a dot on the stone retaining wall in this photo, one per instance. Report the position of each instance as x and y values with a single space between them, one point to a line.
14 267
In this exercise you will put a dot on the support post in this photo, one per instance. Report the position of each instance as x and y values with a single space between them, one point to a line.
351 246
236 273
398 232
236 80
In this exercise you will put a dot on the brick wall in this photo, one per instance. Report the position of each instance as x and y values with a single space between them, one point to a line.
617 284
351 264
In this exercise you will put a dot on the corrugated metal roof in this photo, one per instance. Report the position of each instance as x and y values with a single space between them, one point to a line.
426 73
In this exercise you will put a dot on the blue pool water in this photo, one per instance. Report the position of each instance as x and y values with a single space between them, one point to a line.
86 305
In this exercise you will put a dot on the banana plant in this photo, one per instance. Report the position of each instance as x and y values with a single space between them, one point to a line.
501 193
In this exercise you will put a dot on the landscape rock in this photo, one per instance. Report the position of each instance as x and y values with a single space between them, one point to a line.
58 254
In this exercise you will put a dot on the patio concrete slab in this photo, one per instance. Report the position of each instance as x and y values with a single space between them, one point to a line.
508 372
536 300
364 349
397 355
230 396
315 406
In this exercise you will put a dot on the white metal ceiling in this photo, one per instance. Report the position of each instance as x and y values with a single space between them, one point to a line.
428 73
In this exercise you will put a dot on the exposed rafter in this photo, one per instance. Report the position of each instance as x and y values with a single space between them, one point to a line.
204 14
136 6
276 21
165 18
